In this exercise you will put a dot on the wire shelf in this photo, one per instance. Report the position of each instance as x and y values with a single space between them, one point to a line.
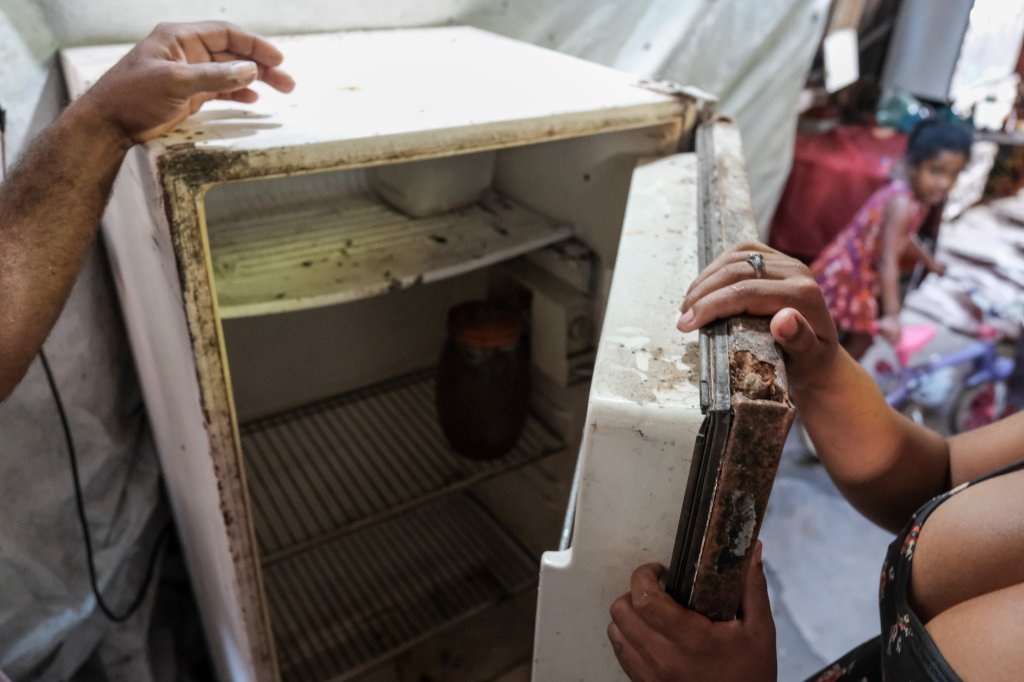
357 246
345 606
327 469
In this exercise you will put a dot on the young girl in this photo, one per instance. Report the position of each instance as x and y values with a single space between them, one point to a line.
862 262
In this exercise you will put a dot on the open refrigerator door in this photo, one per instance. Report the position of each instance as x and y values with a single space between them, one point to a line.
656 479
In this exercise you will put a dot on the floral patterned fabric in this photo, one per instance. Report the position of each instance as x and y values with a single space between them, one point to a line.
904 652
847 270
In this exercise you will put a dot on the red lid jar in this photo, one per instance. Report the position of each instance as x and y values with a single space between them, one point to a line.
483 379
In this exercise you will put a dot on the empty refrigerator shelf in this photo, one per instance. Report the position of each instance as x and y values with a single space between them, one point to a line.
341 608
326 469
357 246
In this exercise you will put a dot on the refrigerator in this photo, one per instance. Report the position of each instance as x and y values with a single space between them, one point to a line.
285 271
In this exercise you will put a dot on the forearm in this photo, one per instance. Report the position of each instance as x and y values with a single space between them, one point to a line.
882 462
889 279
921 254
982 451
894 235
50 208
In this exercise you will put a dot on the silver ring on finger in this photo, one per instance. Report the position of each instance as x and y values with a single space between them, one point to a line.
756 261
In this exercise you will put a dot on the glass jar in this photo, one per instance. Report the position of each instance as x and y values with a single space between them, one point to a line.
483 379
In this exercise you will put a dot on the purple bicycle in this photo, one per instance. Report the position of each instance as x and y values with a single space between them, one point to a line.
991 388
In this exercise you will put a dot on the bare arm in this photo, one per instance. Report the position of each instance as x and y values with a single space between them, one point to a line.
921 255
49 210
976 453
895 222
883 463
51 204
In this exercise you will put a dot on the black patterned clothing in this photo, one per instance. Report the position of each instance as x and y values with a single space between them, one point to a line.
904 652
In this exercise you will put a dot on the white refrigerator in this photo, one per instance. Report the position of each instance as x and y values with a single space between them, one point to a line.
285 271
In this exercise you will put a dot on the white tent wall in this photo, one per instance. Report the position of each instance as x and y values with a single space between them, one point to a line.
49 621
753 54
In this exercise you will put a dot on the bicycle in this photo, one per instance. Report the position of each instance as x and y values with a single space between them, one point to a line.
992 388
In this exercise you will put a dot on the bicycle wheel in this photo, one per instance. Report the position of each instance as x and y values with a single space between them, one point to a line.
976 406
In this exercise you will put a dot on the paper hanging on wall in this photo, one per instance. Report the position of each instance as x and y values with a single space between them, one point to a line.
842 59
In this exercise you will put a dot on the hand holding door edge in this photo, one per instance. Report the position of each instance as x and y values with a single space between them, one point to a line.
744 394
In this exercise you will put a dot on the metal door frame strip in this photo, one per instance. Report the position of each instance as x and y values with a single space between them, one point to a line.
745 399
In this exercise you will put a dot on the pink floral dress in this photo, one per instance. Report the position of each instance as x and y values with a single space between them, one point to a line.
847 270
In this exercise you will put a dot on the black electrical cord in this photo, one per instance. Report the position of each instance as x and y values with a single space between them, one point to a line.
3 141
73 458
80 505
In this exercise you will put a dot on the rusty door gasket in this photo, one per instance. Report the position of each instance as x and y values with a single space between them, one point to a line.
745 398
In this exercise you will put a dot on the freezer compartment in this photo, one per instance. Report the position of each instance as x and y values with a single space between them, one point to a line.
433 186
308 240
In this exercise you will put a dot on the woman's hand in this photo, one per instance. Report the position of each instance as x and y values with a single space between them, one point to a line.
657 640
801 323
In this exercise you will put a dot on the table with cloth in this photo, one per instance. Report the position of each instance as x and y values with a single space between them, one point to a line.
833 174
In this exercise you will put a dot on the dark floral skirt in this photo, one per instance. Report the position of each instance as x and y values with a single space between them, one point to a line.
904 650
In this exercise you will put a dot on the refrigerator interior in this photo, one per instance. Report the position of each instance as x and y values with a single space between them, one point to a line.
373 535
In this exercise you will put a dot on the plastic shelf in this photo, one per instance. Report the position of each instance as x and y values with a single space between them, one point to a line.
357 246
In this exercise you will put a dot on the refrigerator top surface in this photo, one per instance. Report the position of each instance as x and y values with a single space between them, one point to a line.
407 93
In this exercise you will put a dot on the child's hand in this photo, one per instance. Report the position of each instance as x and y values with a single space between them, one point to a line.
939 268
657 640
890 328
801 323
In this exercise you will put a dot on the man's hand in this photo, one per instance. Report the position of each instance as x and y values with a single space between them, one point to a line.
172 72
50 205
657 640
